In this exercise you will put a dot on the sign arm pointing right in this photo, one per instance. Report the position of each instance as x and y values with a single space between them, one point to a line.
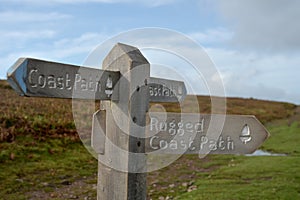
241 134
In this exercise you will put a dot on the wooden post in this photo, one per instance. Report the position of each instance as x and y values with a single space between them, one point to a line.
125 128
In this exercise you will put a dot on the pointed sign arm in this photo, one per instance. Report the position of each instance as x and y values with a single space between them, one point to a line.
38 78
191 133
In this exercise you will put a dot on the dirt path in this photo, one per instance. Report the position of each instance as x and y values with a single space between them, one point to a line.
84 188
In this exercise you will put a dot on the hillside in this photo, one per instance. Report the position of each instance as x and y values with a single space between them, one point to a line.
23 115
38 137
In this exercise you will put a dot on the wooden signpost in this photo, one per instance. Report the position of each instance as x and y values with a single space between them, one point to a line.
124 132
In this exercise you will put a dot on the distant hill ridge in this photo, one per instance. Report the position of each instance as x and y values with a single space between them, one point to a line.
53 117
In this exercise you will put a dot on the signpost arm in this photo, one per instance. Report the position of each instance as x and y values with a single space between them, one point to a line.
125 120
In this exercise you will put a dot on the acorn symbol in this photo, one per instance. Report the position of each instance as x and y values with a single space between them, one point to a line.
245 136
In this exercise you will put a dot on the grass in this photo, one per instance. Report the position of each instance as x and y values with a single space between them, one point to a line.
251 178
42 165
243 177
40 152
285 139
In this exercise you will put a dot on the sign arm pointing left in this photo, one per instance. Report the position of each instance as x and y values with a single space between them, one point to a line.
33 77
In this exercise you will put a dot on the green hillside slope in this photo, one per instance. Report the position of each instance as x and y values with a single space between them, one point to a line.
42 157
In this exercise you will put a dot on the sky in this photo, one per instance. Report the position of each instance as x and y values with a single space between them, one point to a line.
254 44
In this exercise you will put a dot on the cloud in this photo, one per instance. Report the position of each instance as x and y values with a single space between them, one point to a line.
13 41
80 45
24 35
263 25
212 36
19 17
151 3
245 74
68 50
251 74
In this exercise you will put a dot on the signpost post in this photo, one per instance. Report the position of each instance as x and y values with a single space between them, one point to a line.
120 135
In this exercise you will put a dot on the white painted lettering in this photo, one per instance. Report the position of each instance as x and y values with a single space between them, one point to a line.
204 141
163 144
30 78
77 80
42 81
51 82
173 145
60 83
68 80
84 85
151 142
153 124
172 129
